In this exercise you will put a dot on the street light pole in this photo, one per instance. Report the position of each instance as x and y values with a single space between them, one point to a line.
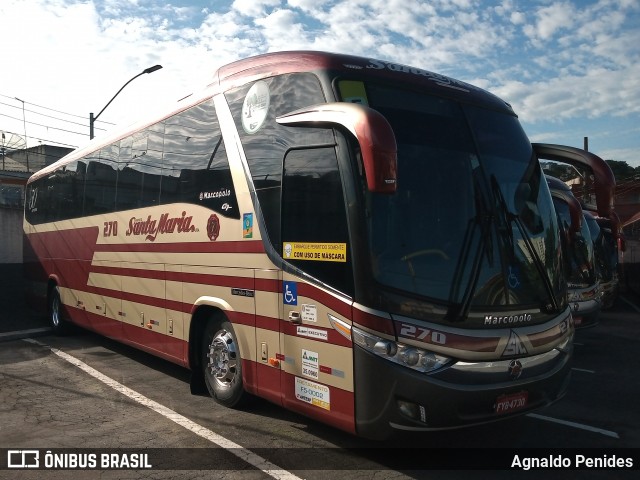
93 118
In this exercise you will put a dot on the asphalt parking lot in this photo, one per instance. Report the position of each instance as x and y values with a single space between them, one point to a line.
87 395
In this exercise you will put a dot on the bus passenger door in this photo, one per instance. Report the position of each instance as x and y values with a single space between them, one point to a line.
316 360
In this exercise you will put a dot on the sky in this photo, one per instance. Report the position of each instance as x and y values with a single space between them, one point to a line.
569 68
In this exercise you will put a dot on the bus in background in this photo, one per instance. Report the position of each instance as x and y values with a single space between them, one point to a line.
595 192
369 244
606 257
631 255
579 256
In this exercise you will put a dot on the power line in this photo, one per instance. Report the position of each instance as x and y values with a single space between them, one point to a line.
46 126
45 115
51 109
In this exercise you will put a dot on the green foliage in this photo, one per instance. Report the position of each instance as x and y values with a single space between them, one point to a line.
622 170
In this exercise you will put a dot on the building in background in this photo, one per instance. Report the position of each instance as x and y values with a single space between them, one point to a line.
16 166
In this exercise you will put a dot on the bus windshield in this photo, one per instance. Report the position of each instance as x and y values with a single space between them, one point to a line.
469 225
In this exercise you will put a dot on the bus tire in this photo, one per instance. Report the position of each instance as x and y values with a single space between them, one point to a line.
54 312
222 364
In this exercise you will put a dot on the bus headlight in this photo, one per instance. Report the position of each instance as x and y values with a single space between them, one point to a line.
405 355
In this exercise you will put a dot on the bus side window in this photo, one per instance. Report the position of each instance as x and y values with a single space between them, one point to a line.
140 168
100 185
314 218
196 168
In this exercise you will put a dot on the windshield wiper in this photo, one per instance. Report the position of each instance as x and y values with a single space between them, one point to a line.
511 218
458 309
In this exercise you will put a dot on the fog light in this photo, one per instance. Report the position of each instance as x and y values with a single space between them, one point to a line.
412 410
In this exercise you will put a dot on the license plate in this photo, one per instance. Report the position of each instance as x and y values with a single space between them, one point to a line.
511 402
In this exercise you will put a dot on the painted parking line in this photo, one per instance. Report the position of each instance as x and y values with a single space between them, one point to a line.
238 450
630 303
581 426
583 370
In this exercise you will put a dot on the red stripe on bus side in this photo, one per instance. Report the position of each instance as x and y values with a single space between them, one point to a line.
268 385
75 244
268 323
341 307
156 343
268 285
183 277
241 318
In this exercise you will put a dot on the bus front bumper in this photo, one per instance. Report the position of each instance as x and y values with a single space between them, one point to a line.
392 398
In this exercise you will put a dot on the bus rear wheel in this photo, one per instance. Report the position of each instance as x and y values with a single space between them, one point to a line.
56 321
222 364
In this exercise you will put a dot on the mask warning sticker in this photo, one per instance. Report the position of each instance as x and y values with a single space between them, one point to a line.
319 252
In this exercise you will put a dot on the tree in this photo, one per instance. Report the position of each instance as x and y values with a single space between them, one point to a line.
622 170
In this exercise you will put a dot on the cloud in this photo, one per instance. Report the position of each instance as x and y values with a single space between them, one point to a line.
557 61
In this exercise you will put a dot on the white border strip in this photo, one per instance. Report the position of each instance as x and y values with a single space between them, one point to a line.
582 370
238 450
581 426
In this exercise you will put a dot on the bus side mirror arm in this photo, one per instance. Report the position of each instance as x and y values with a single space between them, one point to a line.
372 130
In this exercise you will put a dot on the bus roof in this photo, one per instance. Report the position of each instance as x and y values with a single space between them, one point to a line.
254 68
277 63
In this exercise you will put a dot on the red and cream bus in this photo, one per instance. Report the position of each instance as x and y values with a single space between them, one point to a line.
596 192
369 244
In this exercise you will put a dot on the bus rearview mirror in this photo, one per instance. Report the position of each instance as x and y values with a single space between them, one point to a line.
372 130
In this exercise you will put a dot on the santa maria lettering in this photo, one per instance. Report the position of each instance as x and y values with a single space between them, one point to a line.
151 227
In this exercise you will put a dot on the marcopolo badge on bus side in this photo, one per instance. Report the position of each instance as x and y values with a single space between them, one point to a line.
255 107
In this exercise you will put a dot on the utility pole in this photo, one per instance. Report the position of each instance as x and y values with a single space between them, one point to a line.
24 123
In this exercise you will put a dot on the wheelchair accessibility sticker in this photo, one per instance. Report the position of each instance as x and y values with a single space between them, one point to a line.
290 293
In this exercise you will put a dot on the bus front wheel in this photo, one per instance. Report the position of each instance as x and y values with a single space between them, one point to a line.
222 364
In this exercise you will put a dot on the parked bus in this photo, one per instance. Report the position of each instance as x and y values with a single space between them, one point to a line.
366 243
595 191
606 256
631 255
582 272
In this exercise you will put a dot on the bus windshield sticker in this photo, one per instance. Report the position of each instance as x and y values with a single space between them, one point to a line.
247 225
313 393
320 252
353 92
255 107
